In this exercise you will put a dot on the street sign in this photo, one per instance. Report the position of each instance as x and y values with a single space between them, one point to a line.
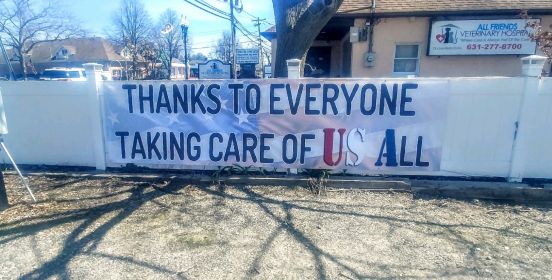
245 56
214 69
268 71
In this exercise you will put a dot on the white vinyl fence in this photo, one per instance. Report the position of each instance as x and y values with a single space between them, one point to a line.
497 127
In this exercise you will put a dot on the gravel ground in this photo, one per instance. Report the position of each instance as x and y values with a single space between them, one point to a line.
91 227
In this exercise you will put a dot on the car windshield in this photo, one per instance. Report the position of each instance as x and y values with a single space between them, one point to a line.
60 74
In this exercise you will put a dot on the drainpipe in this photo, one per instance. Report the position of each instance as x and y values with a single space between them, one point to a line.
372 22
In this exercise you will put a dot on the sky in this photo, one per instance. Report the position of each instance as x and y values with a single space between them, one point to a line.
205 29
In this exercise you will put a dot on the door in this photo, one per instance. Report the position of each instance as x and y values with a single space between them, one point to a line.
318 62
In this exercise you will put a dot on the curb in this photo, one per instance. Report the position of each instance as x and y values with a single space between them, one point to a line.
482 190
346 183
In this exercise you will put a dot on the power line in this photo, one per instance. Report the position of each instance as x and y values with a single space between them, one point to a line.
255 17
224 16
246 32
235 23
206 7
209 6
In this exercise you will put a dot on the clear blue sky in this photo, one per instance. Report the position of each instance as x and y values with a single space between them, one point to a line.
205 29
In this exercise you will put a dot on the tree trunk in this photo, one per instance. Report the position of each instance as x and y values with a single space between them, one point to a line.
298 23
134 73
22 65
169 68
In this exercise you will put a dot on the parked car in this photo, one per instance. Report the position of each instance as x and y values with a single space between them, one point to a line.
63 74
30 77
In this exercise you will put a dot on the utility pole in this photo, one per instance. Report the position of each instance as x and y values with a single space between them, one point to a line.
258 24
233 26
184 24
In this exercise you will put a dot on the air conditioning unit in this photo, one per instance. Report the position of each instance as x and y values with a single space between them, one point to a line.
358 34
354 34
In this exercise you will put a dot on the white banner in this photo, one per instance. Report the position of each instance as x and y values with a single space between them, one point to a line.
366 124
481 37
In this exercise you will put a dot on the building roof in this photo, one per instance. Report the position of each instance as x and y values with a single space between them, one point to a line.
354 7
94 49
270 33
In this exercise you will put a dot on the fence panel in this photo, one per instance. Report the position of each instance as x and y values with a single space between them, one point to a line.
481 126
48 122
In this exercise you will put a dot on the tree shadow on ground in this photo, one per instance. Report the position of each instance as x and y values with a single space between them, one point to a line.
286 225
84 239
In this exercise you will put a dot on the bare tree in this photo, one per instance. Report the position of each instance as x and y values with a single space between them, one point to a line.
26 23
223 48
150 54
131 31
298 22
198 57
169 40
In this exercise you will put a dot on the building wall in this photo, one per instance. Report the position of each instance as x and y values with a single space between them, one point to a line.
390 31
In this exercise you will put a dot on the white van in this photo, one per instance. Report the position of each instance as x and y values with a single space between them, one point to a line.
63 74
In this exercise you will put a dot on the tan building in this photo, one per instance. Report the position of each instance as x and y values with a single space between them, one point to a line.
445 38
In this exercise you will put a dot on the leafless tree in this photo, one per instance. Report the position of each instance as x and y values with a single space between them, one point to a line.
131 31
223 48
151 57
26 23
169 39
198 57
298 22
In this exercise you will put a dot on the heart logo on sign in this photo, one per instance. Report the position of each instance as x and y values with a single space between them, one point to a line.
440 38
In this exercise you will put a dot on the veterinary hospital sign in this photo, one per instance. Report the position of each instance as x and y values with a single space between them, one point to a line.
367 124
481 37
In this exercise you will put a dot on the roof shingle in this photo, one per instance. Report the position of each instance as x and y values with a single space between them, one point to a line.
94 49
429 6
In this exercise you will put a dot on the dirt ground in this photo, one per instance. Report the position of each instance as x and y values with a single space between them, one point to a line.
92 227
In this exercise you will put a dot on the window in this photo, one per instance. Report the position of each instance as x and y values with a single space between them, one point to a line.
407 59
62 54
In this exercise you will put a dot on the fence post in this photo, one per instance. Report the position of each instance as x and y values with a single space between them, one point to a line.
94 80
531 68
517 168
293 72
293 68
3 195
